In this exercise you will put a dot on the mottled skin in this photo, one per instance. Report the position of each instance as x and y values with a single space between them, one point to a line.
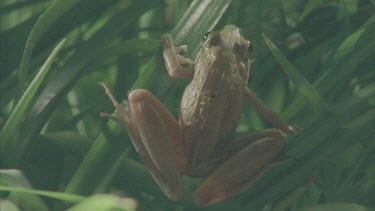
201 144
211 105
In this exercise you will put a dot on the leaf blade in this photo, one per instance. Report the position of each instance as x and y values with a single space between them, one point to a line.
23 104
302 85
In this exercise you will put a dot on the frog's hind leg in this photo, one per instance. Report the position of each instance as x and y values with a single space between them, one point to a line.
243 162
156 137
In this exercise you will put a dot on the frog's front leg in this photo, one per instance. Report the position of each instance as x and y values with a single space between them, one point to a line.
268 114
243 161
156 136
173 60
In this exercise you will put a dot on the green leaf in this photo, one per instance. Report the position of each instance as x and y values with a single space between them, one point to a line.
105 202
306 156
302 85
8 205
51 194
69 74
70 141
46 20
311 5
8 146
14 179
352 52
348 7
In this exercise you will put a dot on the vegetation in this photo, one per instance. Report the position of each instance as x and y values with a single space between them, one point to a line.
313 63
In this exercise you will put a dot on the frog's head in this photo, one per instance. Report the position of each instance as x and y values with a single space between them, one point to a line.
229 38
233 45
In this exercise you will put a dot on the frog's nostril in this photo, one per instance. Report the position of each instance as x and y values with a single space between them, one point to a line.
205 36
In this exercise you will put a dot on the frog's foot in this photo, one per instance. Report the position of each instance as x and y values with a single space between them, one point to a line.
122 111
181 48
173 60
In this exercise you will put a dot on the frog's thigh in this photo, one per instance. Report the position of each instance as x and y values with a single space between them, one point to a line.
239 172
160 135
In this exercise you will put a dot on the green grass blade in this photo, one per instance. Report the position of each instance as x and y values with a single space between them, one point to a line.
46 20
105 183
347 8
303 86
354 50
69 74
105 202
23 104
8 205
70 141
51 194
311 5
12 178
301 168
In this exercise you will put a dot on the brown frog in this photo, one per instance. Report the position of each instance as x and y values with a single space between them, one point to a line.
197 145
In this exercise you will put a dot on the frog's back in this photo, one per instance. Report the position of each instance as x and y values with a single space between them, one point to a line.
212 104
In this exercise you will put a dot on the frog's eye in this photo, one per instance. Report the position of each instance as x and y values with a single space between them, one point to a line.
215 39
241 51
205 36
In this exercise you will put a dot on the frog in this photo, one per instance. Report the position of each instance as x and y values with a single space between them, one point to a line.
202 143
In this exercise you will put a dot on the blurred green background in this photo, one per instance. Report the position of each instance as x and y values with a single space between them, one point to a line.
313 64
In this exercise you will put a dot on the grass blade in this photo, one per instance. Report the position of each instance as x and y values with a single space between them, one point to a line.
47 19
12 178
105 202
23 104
68 197
302 85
